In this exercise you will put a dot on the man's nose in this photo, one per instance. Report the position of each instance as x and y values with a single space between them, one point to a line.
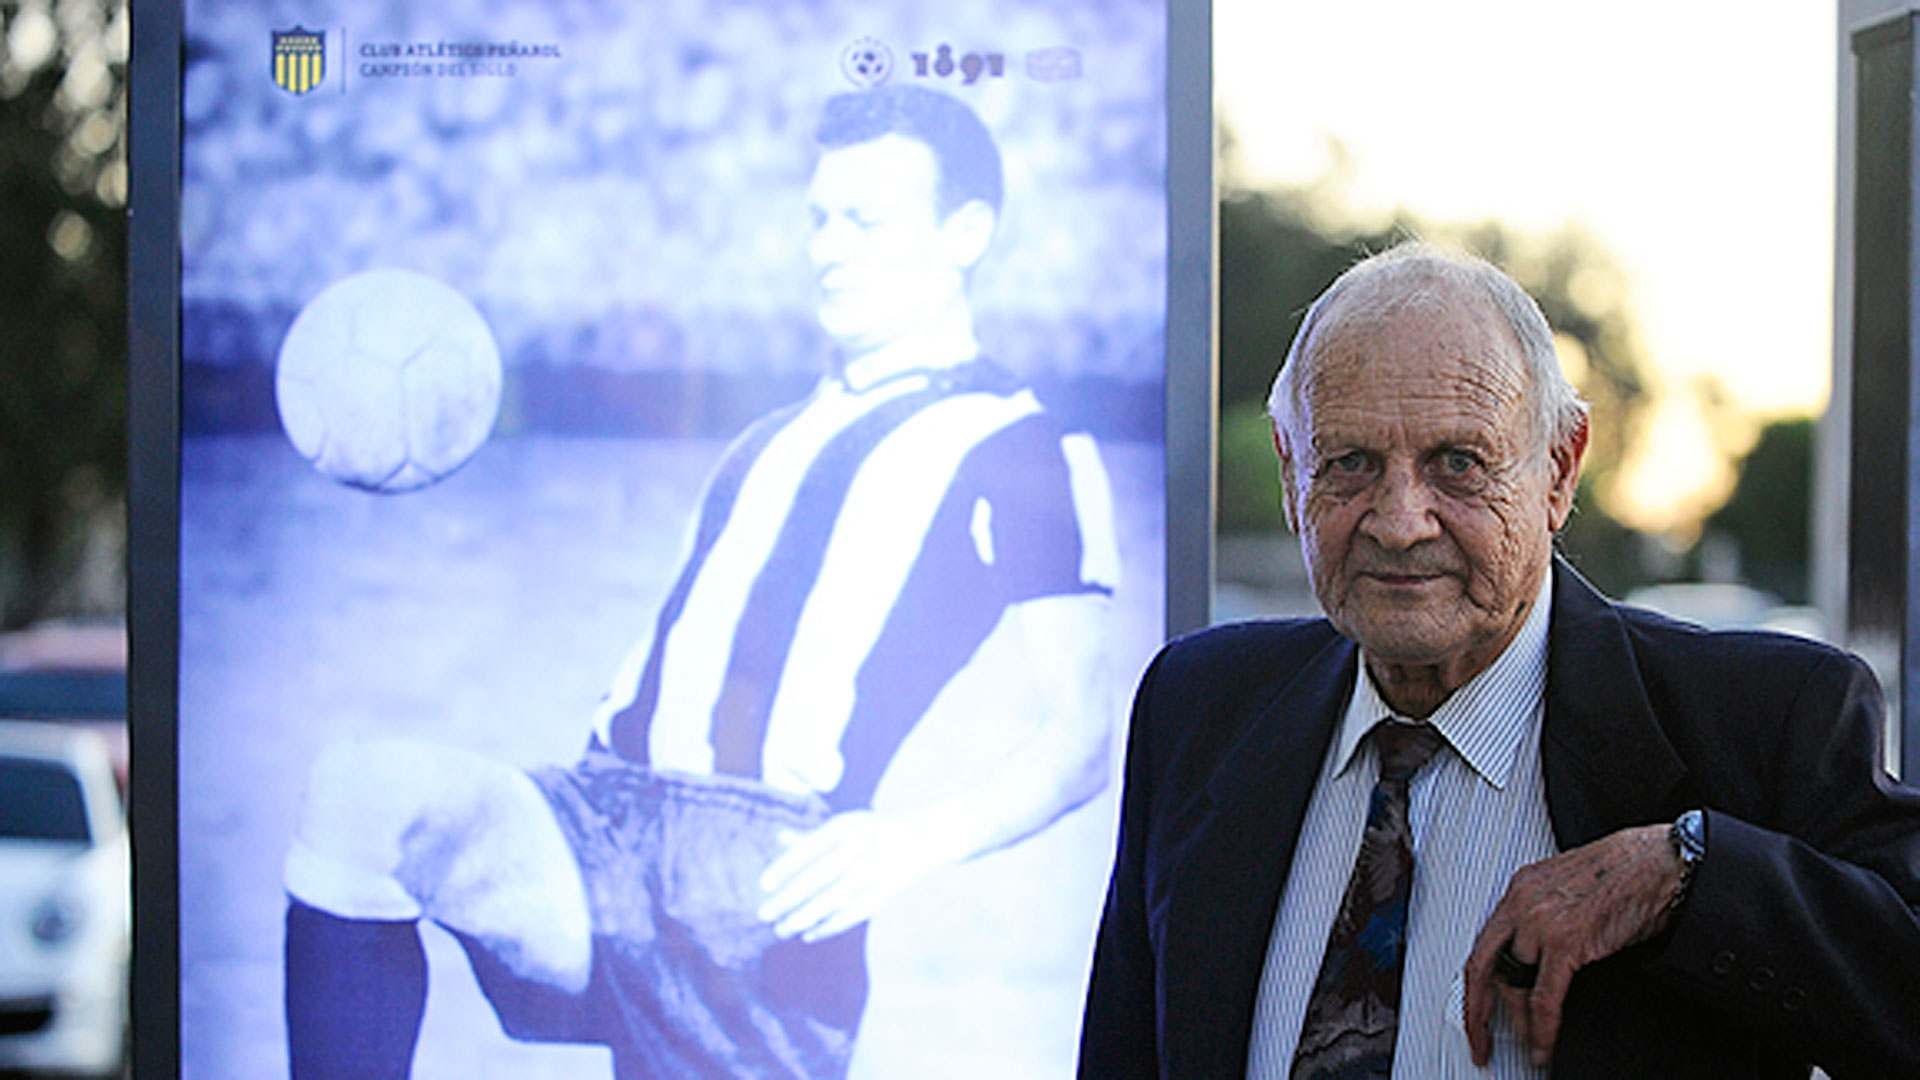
1403 512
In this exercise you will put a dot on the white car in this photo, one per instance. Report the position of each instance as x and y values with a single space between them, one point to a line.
65 928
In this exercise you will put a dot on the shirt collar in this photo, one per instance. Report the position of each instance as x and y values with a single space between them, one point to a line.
1485 721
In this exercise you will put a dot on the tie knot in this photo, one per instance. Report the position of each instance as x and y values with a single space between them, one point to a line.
1404 747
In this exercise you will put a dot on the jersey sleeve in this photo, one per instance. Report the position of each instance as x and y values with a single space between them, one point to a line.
1040 512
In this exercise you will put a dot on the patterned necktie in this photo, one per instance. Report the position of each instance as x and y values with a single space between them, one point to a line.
1354 1010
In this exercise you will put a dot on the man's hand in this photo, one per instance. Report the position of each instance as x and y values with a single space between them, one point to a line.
1562 914
835 877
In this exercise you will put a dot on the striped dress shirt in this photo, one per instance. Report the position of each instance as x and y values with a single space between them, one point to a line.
1478 812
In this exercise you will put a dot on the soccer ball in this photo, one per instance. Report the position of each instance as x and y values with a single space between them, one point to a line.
388 381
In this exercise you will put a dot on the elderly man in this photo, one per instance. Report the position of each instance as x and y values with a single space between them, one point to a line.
1479 817
694 891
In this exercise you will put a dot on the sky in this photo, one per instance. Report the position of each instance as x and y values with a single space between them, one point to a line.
1694 139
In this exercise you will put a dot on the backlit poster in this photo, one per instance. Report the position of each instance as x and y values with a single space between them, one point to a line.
672 502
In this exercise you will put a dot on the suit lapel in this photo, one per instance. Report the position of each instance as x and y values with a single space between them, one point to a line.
1227 886
1607 764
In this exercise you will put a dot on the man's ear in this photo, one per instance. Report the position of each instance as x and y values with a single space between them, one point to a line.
967 232
1289 501
1565 462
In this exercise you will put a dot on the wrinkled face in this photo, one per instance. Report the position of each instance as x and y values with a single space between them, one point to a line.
1425 508
882 251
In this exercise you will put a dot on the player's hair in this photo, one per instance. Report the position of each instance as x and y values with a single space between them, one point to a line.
1419 272
968 160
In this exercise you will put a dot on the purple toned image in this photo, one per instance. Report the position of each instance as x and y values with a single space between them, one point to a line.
671 505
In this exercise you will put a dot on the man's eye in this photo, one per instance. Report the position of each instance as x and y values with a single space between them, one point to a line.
1458 462
1353 461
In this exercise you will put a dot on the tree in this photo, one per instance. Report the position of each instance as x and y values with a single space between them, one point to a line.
63 356
1766 517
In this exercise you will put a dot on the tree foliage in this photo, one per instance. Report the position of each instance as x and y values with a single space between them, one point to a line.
1767 515
63 357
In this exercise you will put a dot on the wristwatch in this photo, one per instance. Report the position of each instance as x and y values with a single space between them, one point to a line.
1689 839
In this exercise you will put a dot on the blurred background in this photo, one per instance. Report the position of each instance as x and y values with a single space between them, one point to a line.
64 909
63 358
1659 176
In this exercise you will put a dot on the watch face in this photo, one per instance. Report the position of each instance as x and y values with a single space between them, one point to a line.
1690 830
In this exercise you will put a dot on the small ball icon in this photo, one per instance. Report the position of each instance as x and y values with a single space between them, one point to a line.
866 62
388 381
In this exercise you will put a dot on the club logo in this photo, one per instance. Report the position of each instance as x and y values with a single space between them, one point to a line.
867 62
299 59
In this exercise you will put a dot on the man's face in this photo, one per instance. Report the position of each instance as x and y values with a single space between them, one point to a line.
886 258
1425 510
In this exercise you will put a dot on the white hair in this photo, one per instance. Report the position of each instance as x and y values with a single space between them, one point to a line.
1418 271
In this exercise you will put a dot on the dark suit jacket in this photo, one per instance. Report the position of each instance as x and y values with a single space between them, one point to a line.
1798 942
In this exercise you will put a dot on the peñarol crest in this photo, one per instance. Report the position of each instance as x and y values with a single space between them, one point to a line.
299 59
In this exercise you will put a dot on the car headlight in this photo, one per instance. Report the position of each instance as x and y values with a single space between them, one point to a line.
56 921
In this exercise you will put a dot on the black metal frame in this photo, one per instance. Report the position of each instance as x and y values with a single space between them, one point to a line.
1883 580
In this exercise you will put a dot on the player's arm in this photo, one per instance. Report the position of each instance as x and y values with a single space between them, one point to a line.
835 877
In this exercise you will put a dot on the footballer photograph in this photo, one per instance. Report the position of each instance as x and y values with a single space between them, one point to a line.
672 505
